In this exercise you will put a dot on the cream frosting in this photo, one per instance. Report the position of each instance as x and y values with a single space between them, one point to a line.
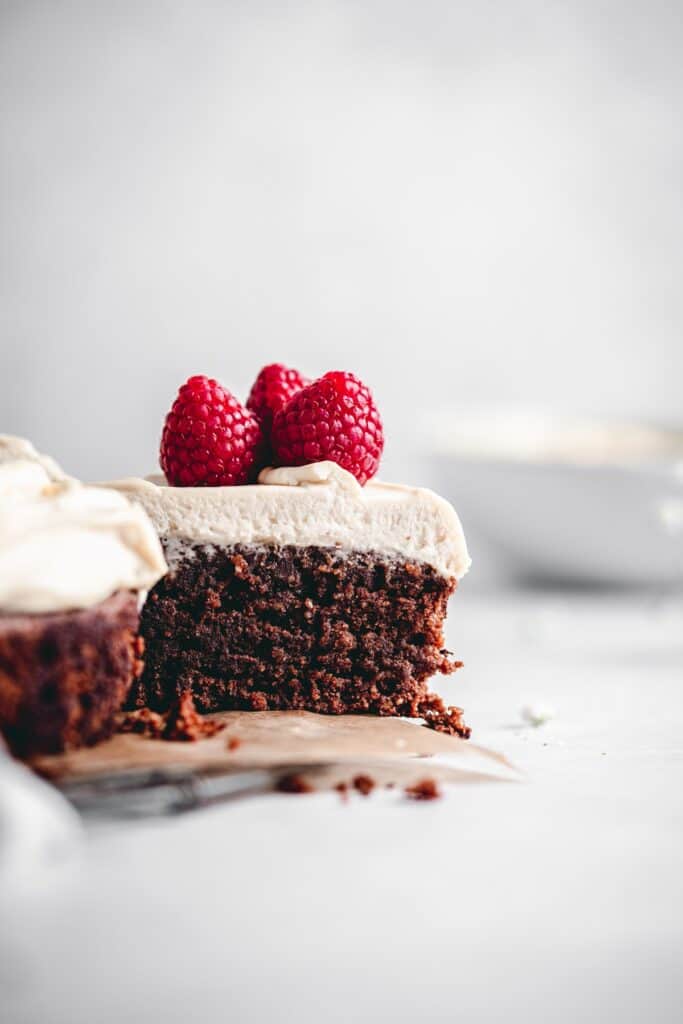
21 478
65 546
18 449
319 504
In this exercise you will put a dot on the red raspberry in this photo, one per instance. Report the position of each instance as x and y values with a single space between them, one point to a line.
209 438
334 418
272 389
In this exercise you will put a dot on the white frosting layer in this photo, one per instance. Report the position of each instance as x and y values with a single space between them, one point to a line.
319 504
18 449
65 546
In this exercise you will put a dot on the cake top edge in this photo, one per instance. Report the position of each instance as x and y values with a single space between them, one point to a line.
315 476
318 504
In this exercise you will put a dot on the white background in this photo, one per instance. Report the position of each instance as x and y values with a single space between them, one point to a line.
462 202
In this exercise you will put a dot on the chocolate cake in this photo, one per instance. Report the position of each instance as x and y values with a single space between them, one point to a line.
304 590
73 561
65 675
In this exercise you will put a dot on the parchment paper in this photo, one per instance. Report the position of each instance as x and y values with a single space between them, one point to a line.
328 749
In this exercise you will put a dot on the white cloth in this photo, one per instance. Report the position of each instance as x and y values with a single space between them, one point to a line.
39 830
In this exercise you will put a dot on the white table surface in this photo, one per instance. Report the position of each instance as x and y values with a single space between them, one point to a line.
556 899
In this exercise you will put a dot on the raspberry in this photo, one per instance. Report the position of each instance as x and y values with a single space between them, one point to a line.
209 438
272 389
334 418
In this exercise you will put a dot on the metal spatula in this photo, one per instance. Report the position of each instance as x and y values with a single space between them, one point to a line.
159 793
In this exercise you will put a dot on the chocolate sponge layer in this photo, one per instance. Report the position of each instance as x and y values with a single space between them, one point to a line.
297 627
64 676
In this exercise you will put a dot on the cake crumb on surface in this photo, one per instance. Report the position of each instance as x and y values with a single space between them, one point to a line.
293 783
425 789
181 723
439 717
185 724
143 722
363 784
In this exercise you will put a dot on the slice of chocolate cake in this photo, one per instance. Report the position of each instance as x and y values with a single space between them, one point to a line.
304 590
73 562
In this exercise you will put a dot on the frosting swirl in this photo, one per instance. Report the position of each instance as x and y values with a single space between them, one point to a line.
63 545
312 473
18 449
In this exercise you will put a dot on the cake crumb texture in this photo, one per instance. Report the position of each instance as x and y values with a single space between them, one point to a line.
65 675
181 723
286 628
143 722
185 724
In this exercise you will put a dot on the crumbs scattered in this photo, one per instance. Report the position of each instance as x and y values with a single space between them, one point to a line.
293 784
144 722
181 723
185 724
426 789
363 784
436 715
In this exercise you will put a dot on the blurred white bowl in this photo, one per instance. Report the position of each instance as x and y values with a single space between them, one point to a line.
570 501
